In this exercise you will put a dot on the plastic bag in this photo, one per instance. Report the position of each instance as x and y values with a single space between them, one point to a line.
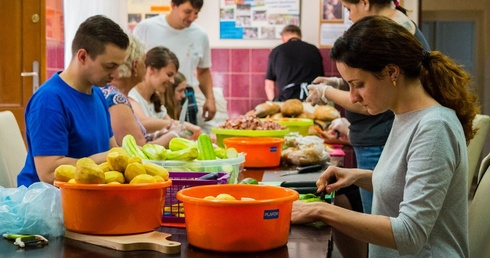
33 210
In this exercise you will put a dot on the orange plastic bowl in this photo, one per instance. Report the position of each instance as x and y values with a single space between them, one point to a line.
101 209
260 151
238 226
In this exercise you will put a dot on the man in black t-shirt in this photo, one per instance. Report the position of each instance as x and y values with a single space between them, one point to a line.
292 66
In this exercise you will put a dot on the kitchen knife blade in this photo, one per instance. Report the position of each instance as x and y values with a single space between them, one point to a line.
303 170
183 112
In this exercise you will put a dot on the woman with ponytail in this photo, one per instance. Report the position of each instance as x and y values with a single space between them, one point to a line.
420 205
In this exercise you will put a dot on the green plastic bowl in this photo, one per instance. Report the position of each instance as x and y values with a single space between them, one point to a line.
225 133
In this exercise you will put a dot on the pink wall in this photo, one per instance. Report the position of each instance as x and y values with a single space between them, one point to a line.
241 74
55 38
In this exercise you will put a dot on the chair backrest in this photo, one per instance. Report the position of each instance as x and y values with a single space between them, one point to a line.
485 163
479 214
482 122
12 150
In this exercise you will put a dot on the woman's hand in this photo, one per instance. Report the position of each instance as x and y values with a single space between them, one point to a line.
335 178
307 212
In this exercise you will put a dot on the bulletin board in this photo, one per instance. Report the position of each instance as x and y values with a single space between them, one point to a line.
139 10
257 19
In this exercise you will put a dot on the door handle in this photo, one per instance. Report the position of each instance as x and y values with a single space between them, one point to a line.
34 74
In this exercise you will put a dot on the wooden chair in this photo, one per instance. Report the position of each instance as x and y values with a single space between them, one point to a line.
12 150
479 213
482 122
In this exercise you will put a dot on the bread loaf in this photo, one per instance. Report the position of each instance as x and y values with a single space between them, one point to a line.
266 109
292 108
326 113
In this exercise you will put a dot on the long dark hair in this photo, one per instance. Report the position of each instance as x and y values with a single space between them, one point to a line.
374 42
159 57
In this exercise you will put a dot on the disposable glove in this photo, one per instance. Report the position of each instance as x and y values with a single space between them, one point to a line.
340 125
332 81
316 94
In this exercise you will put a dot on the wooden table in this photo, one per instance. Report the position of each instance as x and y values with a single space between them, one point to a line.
304 241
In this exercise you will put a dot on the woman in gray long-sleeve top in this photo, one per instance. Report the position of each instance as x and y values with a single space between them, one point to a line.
420 182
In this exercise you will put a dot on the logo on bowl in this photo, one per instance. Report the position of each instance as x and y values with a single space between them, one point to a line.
271 214
273 149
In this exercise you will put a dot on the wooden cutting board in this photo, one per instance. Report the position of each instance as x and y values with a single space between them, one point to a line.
156 241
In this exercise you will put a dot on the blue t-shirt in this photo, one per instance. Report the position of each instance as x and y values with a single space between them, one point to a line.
61 121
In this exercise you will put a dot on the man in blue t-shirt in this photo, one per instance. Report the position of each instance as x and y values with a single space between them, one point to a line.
67 118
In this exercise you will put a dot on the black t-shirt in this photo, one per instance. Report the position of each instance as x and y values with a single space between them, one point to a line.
292 64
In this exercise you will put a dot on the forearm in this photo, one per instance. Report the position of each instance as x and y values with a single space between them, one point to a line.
205 82
270 87
369 228
364 179
341 98
154 124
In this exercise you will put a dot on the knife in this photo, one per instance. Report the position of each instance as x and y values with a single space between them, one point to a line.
303 170
183 113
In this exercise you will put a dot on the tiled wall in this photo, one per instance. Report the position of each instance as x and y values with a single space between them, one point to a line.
241 74
54 37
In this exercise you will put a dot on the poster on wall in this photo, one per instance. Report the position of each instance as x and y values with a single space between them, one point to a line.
334 20
257 19
143 9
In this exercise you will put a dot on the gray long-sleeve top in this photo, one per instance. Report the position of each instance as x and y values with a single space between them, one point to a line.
420 182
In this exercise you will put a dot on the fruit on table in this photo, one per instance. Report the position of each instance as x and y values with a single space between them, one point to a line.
153 169
86 171
133 170
105 166
114 176
143 179
224 196
64 173
117 161
89 173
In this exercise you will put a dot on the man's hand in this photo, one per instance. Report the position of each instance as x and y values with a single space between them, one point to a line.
332 81
316 94
209 109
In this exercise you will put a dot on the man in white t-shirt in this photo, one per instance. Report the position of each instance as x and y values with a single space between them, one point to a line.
190 43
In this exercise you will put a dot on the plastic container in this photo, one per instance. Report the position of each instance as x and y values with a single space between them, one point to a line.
260 152
238 226
173 214
222 134
233 166
102 209
300 125
337 157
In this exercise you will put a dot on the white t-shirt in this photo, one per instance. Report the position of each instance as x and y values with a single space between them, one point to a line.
147 107
190 45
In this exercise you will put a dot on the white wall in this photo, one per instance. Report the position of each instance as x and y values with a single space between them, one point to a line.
310 24
77 11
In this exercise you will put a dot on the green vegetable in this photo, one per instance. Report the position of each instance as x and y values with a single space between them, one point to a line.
205 147
185 154
249 181
231 153
310 198
131 147
154 151
220 152
177 144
